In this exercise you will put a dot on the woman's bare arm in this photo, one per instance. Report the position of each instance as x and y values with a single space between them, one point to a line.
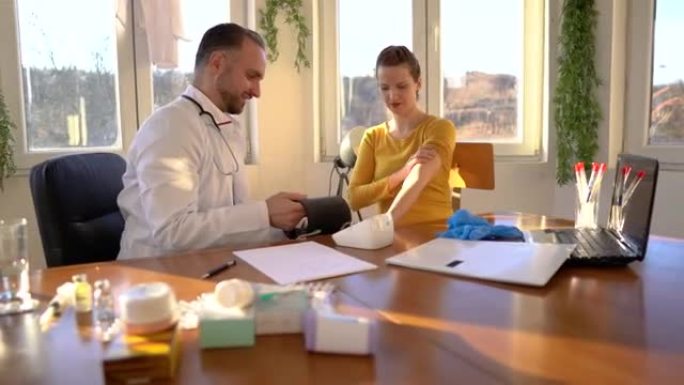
425 167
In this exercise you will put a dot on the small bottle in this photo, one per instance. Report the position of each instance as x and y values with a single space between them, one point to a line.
83 294
103 306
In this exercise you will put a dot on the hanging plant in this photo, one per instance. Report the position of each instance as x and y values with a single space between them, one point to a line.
7 166
577 111
294 18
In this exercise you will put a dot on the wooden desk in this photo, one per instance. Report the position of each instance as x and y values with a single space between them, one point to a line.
587 325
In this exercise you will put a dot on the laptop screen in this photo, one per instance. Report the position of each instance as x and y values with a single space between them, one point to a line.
635 197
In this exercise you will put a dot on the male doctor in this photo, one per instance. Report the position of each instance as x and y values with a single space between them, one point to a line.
185 186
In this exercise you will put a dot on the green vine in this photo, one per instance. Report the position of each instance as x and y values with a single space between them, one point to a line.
7 166
294 18
577 111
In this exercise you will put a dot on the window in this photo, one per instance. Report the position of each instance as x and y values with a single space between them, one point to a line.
488 81
169 83
69 89
62 77
361 104
654 86
481 75
667 84
82 80
64 96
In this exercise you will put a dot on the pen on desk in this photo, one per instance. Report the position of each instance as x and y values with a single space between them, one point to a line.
225 266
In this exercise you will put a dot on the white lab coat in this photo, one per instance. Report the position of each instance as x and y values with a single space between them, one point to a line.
175 198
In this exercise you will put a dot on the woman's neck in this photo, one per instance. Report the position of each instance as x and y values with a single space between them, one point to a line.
404 124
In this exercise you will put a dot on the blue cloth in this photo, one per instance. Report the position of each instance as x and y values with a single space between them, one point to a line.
466 226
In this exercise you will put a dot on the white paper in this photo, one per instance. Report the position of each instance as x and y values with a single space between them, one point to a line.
299 262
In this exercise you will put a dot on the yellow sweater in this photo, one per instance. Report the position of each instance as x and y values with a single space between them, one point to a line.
380 155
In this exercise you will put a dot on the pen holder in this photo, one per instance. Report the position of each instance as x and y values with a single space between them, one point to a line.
586 212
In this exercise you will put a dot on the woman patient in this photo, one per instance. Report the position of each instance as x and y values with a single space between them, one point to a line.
403 164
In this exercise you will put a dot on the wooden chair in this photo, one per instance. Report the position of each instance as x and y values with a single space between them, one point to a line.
472 167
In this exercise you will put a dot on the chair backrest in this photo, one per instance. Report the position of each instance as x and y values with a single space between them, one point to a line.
75 201
474 162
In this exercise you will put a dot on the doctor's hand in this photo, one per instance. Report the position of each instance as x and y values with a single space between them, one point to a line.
284 210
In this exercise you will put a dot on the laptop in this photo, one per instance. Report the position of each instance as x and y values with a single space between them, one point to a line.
624 239
530 264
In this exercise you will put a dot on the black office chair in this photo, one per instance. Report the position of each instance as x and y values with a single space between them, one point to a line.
75 201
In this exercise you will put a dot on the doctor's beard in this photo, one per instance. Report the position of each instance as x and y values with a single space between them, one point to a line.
233 103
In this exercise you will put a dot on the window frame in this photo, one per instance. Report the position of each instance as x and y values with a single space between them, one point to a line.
427 46
639 80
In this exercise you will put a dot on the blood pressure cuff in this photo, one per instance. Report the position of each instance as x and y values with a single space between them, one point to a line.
325 215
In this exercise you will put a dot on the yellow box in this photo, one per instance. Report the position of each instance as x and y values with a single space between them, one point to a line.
134 359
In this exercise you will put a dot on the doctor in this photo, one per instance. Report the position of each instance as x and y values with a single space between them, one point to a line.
185 185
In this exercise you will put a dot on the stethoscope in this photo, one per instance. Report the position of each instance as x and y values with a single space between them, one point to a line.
203 112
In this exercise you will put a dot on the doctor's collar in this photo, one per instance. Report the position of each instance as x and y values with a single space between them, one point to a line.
204 103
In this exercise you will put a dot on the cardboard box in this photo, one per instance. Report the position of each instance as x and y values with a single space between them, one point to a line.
135 359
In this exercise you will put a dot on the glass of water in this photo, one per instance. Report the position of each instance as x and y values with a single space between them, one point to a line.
14 264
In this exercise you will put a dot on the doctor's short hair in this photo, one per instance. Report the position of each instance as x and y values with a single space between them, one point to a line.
224 36
396 55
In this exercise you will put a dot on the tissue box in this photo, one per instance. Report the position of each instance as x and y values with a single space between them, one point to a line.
231 328
142 358
329 332
282 313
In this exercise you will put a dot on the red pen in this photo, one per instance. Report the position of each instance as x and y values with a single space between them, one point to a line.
622 184
628 194
597 182
592 180
581 179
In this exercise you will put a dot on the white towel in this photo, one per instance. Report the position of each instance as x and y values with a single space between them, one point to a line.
162 21
122 11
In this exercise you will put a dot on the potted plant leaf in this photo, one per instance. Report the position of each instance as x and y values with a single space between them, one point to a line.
577 110
7 127
295 18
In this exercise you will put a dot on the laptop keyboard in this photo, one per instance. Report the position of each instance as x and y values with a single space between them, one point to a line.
593 243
